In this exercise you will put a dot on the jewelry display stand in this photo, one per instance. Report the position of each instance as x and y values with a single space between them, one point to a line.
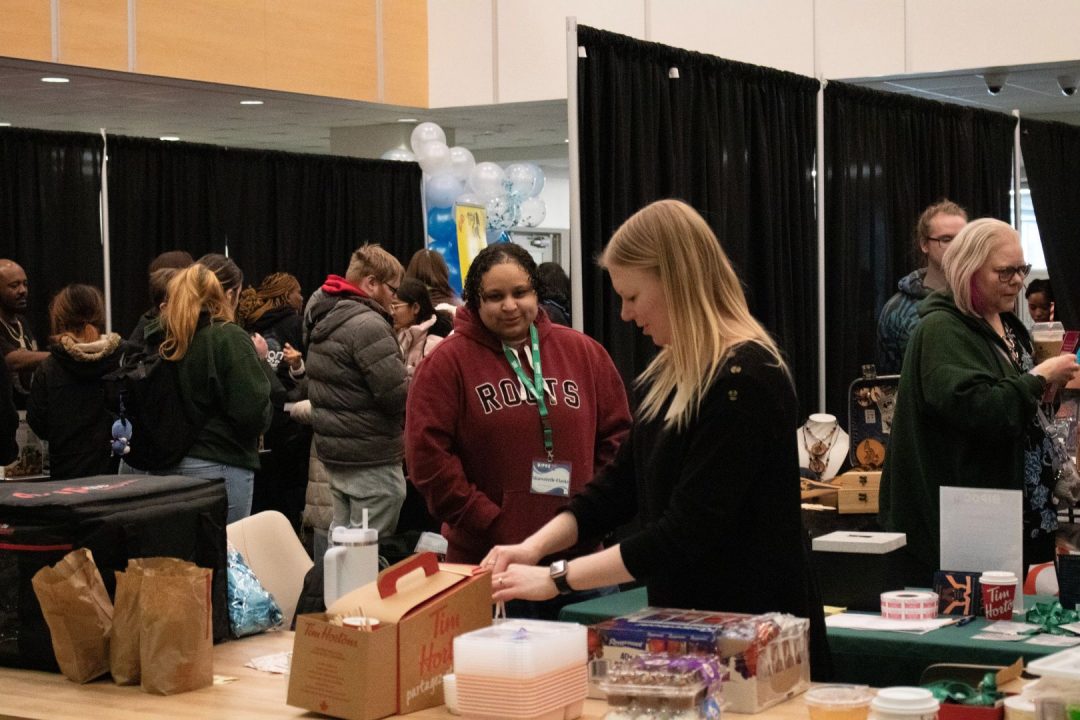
823 445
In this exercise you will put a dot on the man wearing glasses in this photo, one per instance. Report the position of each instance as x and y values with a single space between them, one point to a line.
356 384
936 228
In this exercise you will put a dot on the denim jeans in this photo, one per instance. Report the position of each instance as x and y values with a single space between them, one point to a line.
239 481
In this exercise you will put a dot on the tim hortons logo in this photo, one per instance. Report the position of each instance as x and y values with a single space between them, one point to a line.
437 656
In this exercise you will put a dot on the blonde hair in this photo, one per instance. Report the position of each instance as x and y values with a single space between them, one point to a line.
191 291
706 306
966 255
370 259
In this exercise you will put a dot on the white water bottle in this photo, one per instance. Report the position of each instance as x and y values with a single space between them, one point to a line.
351 561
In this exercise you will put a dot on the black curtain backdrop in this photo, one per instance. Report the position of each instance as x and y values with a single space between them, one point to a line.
1052 160
308 217
162 196
735 141
887 157
275 211
50 186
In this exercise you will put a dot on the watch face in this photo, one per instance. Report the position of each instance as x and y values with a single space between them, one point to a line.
558 567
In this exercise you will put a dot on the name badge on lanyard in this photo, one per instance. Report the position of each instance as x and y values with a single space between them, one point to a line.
548 477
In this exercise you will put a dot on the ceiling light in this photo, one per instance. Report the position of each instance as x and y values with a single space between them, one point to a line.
4 124
169 138
407 120
566 140
251 102
55 79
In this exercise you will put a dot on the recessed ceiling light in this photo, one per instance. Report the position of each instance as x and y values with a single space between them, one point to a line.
406 120
169 138
4 124
55 79
251 102
566 140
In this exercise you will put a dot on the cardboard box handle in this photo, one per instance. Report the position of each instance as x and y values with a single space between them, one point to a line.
388 581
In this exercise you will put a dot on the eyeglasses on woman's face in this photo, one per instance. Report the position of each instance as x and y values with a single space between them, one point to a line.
1006 274
943 239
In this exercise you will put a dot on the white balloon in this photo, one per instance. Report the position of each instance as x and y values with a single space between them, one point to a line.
434 157
520 180
462 162
533 211
426 132
502 212
487 180
400 154
440 190
468 198
538 186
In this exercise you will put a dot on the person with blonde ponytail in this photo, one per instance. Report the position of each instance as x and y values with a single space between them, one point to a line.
223 384
710 469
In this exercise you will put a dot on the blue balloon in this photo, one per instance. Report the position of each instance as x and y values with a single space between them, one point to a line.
442 231
495 235
441 226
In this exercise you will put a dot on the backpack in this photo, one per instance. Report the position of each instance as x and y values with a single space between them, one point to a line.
144 393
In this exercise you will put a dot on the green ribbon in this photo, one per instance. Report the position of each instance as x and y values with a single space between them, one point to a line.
960 693
1050 616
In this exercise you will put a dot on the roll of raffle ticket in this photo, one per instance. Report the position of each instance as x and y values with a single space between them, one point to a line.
909 605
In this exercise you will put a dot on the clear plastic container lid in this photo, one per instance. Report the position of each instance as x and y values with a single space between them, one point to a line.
905 701
839 696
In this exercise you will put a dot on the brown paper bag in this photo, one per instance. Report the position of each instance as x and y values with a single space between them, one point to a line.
124 641
176 641
79 614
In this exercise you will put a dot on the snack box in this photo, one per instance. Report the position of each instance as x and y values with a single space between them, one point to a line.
767 656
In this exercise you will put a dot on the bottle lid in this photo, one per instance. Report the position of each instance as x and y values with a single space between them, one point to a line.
998 577
354 536
905 701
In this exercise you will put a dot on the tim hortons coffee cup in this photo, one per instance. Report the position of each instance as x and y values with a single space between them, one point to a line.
998 594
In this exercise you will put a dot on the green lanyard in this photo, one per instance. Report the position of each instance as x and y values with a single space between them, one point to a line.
535 386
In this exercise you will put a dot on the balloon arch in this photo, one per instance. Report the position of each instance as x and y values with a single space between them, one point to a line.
509 196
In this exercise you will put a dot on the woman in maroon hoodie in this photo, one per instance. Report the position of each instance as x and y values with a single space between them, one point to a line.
492 462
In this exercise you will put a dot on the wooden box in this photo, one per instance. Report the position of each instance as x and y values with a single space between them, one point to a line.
858 491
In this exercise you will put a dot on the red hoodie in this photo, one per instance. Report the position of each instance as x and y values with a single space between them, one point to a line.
337 285
471 436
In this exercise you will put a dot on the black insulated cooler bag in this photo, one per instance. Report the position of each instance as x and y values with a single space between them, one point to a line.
116 517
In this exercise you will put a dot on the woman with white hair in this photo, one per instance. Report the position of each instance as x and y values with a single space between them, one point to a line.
710 468
966 406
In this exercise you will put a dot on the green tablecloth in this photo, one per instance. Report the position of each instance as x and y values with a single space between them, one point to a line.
878 659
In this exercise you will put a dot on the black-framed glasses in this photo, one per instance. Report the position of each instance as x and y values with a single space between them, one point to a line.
393 288
943 239
1006 274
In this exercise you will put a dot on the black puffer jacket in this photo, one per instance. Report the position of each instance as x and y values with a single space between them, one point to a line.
67 406
356 378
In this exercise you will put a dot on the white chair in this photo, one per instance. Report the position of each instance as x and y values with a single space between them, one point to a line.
274 553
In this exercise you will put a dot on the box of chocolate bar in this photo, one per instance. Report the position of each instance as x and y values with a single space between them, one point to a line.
766 656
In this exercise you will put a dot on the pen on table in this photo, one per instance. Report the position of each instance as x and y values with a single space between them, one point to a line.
964 620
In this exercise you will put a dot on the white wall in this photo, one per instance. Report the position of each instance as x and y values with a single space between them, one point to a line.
492 51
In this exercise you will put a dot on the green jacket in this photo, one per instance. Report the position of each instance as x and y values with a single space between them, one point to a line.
226 390
962 416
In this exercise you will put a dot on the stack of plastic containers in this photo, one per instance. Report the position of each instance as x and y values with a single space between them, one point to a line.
522 670
1056 694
